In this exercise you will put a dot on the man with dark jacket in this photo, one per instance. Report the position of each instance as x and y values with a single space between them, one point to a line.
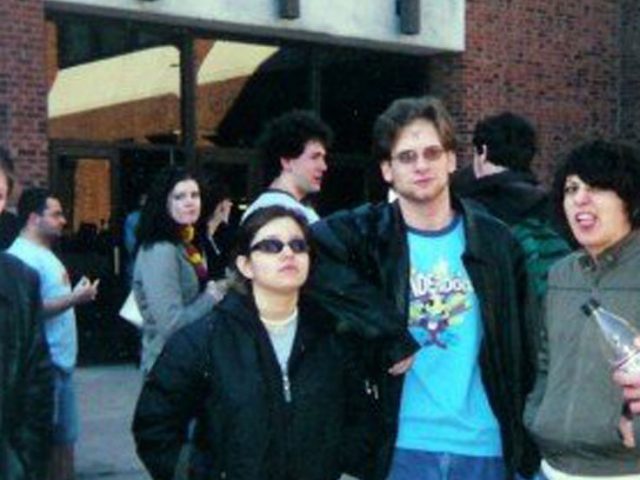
501 181
26 383
26 402
439 292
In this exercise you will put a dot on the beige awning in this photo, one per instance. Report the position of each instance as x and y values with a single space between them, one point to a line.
146 74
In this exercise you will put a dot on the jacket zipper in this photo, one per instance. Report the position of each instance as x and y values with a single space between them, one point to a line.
286 387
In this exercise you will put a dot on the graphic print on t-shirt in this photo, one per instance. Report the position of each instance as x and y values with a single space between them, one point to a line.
439 299
444 407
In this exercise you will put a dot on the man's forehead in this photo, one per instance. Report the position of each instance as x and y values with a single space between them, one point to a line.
53 204
314 144
417 129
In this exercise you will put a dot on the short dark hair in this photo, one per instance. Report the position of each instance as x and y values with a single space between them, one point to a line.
404 111
32 200
213 191
250 227
6 167
287 135
510 139
607 165
156 224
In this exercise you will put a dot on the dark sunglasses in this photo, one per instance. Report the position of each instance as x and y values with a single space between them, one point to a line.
275 245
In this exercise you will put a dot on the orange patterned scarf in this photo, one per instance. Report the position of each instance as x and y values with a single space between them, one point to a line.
194 256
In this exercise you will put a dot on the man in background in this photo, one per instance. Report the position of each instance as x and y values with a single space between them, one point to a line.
294 147
40 213
501 181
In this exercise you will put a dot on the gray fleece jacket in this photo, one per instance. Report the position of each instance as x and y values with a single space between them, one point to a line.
166 288
574 410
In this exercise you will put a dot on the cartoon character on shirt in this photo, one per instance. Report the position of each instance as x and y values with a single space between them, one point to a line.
438 301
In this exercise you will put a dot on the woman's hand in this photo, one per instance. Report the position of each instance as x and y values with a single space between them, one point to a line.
217 289
625 427
630 383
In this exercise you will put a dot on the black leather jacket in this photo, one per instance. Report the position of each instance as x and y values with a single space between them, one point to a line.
26 388
362 276
222 370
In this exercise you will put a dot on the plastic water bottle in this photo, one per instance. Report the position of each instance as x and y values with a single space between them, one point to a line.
619 336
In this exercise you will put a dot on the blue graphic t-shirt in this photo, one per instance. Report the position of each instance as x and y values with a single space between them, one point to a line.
444 405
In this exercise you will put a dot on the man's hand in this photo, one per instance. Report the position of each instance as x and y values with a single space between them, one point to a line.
85 291
402 366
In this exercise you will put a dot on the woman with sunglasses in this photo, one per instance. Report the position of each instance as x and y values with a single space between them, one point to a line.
275 394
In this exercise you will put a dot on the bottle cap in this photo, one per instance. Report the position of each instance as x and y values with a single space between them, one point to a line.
589 307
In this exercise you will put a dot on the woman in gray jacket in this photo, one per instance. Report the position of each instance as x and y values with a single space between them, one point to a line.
170 280
576 412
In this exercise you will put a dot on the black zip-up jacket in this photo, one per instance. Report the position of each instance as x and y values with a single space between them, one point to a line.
26 381
362 276
222 370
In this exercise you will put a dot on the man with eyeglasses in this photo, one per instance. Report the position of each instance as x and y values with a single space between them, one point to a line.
294 148
439 294
42 220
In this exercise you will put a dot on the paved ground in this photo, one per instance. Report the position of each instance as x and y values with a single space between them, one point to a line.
106 397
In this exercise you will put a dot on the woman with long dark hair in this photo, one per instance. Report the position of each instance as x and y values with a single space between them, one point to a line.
275 393
170 279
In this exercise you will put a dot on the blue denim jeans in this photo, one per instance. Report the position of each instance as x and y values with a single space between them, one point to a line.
417 465
65 413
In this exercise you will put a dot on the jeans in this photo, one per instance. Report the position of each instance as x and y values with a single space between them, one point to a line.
65 414
418 465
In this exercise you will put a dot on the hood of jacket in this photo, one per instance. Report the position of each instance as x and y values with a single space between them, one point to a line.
508 195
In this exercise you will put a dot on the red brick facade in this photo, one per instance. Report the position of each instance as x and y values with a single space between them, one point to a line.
630 81
23 88
571 66
555 62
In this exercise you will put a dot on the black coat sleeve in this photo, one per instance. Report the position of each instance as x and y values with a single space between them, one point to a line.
32 436
361 421
344 281
171 396
532 334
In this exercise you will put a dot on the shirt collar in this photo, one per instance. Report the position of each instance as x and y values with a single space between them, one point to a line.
612 255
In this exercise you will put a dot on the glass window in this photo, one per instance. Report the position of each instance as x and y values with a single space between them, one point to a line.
356 86
92 193
242 85
113 81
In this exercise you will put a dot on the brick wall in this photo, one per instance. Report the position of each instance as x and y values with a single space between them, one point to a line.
630 84
559 63
555 62
23 88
